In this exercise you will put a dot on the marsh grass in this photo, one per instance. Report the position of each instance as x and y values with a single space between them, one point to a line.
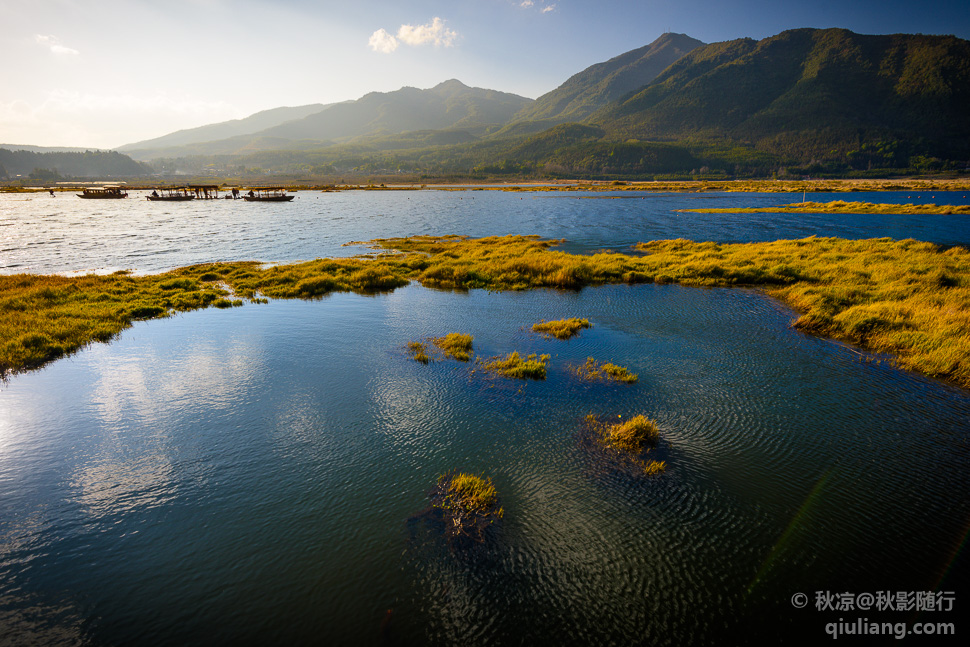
841 206
468 503
532 367
455 345
907 298
628 442
418 352
593 370
561 328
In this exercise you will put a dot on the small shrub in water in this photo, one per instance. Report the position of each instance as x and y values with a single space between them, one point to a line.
512 365
455 344
561 328
469 504
592 370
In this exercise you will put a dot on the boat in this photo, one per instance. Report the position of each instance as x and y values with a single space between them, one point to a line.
103 193
267 194
205 191
171 194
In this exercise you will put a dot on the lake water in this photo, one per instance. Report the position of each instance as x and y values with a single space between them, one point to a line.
257 476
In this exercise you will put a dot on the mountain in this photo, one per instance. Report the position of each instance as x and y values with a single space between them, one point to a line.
52 166
448 105
224 130
807 93
600 84
45 149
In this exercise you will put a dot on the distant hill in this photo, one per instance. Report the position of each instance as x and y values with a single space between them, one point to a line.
448 105
809 92
224 130
45 149
600 84
56 165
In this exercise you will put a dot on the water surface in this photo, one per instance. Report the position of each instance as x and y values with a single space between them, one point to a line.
254 475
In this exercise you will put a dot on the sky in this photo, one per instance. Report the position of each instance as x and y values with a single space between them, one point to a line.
103 73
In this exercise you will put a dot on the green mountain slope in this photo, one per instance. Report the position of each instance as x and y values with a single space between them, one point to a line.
448 105
806 90
598 85
224 130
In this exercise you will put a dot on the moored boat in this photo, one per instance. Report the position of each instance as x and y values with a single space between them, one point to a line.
267 194
171 194
103 193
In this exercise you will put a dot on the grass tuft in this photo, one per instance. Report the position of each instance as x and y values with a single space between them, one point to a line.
455 345
418 351
629 441
514 366
561 328
469 504
592 370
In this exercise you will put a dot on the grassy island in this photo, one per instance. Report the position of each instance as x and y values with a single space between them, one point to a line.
515 366
561 328
468 503
593 370
841 206
454 345
631 441
907 298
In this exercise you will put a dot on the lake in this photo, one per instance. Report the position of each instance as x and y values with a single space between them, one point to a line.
259 475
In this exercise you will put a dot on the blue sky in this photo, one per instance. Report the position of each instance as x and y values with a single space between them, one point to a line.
102 73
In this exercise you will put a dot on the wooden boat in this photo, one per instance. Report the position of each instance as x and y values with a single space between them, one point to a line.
173 194
267 194
103 193
205 191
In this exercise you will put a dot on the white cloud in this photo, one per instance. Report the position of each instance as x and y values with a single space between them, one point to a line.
525 4
54 44
434 33
548 8
383 42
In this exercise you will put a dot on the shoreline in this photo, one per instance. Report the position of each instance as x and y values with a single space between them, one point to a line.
905 298
657 186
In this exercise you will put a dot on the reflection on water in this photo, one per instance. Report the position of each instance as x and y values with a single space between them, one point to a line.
248 475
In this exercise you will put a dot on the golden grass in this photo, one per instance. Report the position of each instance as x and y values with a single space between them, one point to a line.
752 186
514 366
418 352
593 370
468 503
561 328
468 492
907 298
841 206
631 441
455 345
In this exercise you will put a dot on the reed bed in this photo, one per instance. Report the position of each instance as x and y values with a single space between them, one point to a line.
593 370
561 328
903 297
513 365
841 206
629 442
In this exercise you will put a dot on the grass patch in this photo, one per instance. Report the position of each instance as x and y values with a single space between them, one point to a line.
514 366
841 206
469 504
561 328
455 345
593 370
418 352
629 441
905 297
